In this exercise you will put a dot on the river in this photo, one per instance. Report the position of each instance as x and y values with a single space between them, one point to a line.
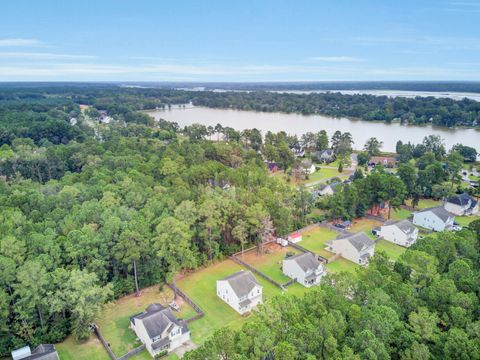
298 124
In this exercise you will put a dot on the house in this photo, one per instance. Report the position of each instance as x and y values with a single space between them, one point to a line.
159 329
295 237
41 352
241 291
386 161
329 189
437 219
308 167
462 204
305 268
402 233
357 247
325 156
298 151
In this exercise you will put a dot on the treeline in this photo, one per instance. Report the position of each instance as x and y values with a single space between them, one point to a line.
424 306
86 222
418 110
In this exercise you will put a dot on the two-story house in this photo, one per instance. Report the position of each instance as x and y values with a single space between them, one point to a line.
461 205
159 329
305 268
402 232
437 219
357 247
241 291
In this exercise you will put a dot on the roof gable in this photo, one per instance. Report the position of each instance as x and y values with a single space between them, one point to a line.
360 241
439 212
306 261
242 282
157 319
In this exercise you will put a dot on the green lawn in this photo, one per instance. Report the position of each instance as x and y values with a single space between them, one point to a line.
340 265
270 263
365 225
315 240
425 203
325 173
393 251
89 350
114 325
200 286
473 178
400 214
465 220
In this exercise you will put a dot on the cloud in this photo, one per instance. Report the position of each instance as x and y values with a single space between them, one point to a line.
42 56
17 42
436 42
335 59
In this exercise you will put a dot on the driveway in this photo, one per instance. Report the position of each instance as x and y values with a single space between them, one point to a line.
186 346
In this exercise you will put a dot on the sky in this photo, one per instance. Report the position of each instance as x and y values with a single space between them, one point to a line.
233 40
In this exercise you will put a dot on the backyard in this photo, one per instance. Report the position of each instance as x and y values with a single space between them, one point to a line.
400 214
200 286
270 263
364 225
315 239
392 250
342 264
425 203
114 325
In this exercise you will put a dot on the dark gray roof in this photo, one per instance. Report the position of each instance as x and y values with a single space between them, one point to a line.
404 225
156 319
439 211
43 352
462 199
242 282
359 240
306 261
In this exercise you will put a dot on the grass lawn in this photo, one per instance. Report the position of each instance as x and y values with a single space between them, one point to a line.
114 325
473 178
270 263
325 173
342 264
200 286
89 350
315 239
115 319
425 203
365 225
465 220
393 251
400 214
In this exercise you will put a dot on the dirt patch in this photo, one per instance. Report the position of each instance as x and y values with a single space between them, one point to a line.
253 259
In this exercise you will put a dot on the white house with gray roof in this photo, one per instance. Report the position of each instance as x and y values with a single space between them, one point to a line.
241 291
402 232
41 352
159 329
357 247
461 205
305 268
437 219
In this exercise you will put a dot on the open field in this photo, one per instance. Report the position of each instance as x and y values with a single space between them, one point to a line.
200 286
366 225
392 250
315 239
270 263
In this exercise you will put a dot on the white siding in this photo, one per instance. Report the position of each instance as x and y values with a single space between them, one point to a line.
429 220
393 234
226 293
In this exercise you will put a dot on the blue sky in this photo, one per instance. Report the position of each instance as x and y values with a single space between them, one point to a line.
247 40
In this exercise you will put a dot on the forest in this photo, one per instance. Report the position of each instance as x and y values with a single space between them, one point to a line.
90 212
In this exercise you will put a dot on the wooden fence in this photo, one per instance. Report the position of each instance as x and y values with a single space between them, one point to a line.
104 342
304 250
190 302
132 352
258 272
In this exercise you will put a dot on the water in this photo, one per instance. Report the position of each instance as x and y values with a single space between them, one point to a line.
300 124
